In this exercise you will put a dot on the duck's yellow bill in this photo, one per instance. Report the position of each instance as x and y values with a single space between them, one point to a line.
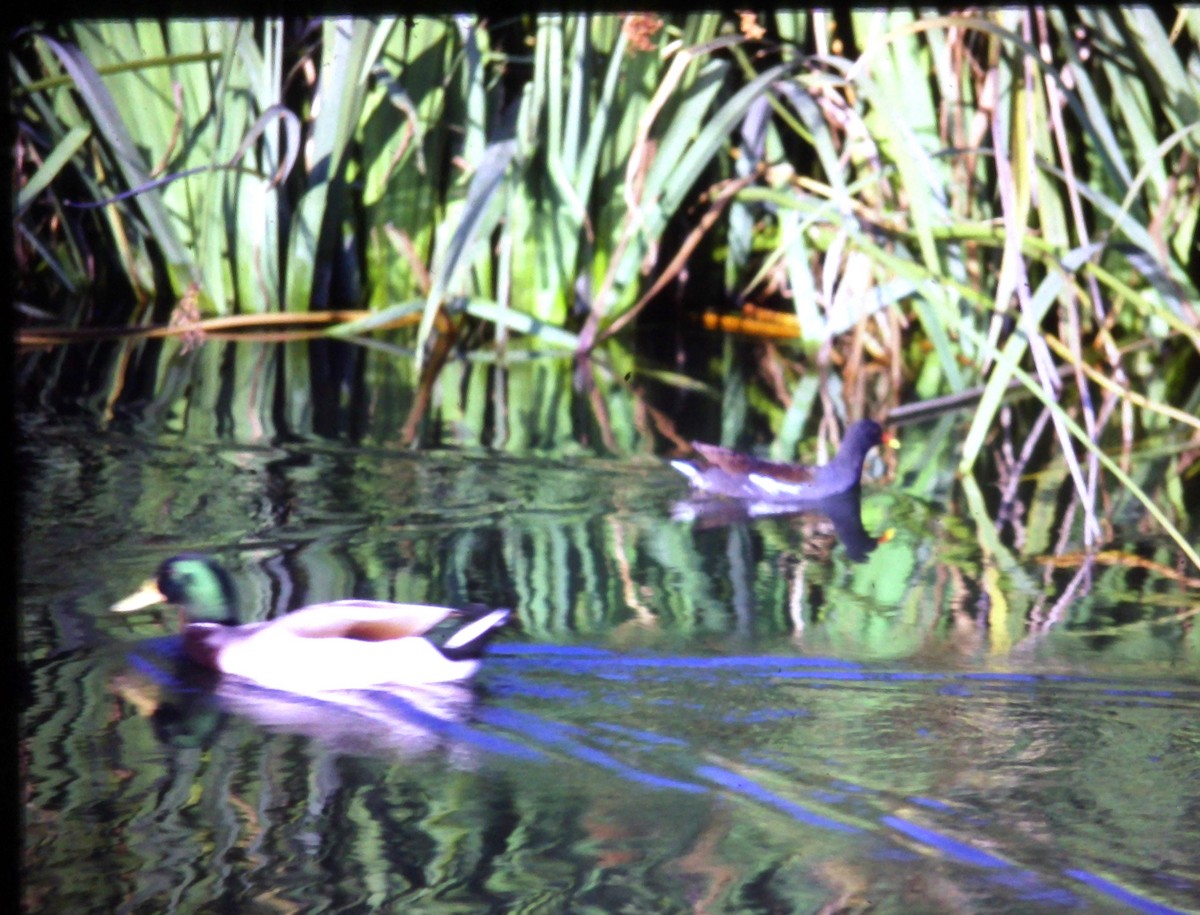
146 596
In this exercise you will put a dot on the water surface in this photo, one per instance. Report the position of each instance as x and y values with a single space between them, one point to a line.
711 715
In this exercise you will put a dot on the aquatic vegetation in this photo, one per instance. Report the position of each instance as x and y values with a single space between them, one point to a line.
771 221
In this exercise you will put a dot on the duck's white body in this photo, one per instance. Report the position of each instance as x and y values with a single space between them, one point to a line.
342 645
298 665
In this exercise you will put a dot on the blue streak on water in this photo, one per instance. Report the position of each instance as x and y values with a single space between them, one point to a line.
828 797
604 760
765 714
1121 894
607 673
857 676
952 847
861 676
551 732
690 706
454 730
510 686
1030 888
818 672
744 786
560 736
929 802
645 736
618 700
850 787
955 689
597 659
518 649
767 762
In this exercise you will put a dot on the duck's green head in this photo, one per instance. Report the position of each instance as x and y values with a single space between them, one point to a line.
193 582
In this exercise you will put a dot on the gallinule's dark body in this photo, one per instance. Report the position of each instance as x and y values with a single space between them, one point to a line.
734 475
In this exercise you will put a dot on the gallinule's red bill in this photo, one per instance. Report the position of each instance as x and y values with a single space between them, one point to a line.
722 472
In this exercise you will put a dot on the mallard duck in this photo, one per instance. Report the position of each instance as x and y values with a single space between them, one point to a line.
732 474
345 644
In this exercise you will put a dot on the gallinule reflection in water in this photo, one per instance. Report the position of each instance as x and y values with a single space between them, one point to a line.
735 475
844 511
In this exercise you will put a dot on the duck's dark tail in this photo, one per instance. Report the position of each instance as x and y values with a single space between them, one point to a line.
470 641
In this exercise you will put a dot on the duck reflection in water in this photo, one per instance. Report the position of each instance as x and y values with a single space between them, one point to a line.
189 706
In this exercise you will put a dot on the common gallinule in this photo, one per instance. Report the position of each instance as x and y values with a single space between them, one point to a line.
345 644
734 475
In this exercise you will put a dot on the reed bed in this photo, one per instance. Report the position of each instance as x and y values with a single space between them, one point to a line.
900 212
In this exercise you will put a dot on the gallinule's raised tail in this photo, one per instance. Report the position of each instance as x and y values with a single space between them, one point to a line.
722 472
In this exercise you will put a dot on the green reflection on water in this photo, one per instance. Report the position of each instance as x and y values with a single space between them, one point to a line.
569 784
